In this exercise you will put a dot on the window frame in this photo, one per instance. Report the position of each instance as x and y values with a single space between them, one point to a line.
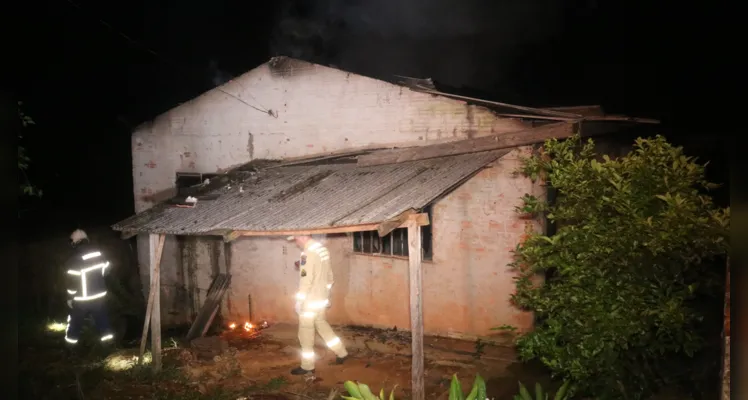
395 243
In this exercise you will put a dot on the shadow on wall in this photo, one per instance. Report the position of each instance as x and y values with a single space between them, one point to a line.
42 291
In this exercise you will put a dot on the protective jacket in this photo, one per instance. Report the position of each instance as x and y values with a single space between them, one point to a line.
315 277
86 270
315 282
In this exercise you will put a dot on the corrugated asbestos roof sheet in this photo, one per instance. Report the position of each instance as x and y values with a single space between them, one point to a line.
312 197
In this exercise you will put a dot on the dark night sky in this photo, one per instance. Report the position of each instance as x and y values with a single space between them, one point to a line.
91 75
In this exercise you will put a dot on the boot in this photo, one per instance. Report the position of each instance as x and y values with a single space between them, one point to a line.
301 371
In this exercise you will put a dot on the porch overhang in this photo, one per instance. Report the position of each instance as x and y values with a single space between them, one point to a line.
317 199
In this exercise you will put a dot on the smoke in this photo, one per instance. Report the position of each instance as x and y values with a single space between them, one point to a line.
217 76
457 42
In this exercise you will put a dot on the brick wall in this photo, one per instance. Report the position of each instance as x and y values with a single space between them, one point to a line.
294 109
285 109
466 287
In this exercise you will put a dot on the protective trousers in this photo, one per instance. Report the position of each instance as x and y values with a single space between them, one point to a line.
309 323
81 309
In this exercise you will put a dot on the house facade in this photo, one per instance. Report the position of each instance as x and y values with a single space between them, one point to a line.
288 109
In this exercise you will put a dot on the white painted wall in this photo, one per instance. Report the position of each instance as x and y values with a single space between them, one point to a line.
315 110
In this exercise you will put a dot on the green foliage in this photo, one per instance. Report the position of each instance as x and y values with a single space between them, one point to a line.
477 392
361 391
563 393
626 269
26 188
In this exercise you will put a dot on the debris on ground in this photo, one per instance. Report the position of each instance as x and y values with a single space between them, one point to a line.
209 347
255 364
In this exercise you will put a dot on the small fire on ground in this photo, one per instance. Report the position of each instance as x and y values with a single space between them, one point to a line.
246 330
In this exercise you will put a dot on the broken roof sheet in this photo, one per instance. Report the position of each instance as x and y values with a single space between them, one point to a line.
303 197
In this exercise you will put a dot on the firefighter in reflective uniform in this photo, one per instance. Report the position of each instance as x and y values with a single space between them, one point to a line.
86 287
312 300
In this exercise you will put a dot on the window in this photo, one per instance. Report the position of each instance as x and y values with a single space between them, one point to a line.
394 243
186 182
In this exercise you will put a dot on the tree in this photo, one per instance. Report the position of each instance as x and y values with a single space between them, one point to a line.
25 186
626 269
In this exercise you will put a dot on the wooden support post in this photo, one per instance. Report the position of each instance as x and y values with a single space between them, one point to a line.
151 291
156 249
418 391
153 309
725 373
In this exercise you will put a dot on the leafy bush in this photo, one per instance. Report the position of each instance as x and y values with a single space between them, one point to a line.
360 391
561 394
626 267
478 392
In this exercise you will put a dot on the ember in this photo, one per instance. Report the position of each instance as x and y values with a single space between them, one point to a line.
248 326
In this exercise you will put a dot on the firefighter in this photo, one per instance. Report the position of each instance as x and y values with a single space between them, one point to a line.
85 271
312 300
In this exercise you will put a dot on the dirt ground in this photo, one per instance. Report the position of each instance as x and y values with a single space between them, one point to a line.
378 358
256 365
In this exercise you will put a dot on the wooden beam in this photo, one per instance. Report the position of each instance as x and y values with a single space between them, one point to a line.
128 234
231 236
156 312
421 220
507 140
622 118
391 224
534 116
155 261
585 111
418 391
538 111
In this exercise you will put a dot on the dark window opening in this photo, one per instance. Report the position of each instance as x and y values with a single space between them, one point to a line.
188 182
394 243
426 238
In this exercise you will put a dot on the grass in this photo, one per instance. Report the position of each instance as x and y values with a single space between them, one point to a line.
49 370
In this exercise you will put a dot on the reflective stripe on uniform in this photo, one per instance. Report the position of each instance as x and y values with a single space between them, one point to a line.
84 285
321 251
300 296
91 255
67 339
89 298
107 337
317 305
307 354
97 266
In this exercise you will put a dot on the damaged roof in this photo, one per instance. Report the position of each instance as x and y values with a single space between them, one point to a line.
304 197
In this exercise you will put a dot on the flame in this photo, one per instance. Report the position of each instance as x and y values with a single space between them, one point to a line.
232 325
247 326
